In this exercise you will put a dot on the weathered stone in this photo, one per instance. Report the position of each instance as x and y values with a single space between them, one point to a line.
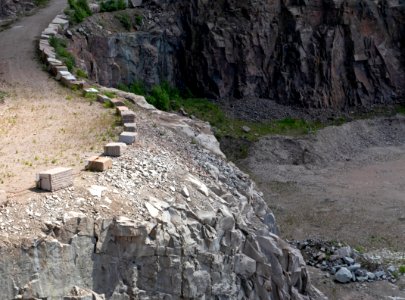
117 102
3 196
128 137
244 265
55 179
130 127
127 116
114 149
343 275
120 109
99 163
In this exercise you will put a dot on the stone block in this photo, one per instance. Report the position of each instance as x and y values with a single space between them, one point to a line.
128 116
64 73
117 102
55 179
114 149
103 98
99 163
120 109
128 137
130 127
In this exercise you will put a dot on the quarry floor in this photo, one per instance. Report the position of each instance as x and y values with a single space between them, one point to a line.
343 184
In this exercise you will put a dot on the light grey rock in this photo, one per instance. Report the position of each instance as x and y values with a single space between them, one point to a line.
343 275
348 260
354 267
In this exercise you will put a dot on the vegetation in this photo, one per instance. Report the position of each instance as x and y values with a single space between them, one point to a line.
79 10
41 2
112 5
138 20
3 95
401 109
81 73
125 20
62 53
168 98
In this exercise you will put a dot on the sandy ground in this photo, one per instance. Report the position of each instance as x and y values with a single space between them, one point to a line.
42 124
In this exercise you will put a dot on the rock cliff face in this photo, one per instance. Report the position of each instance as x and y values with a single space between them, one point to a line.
321 53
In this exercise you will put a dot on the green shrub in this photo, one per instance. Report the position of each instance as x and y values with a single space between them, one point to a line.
125 20
138 20
402 269
81 73
112 5
79 10
62 53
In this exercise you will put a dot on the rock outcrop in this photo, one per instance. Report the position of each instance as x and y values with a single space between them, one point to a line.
11 9
335 54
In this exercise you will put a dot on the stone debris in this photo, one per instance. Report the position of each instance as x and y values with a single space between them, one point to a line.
99 163
90 91
343 262
128 137
114 149
96 190
55 179
130 127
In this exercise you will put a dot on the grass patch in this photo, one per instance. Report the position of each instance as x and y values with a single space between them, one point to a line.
138 20
60 46
108 104
41 3
401 109
125 20
110 94
81 73
78 10
112 5
3 96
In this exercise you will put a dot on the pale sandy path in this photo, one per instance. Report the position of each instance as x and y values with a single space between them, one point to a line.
42 124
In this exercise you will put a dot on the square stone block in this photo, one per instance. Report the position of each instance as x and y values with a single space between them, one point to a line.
114 149
117 102
128 116
120 109
128 137
103 98
98 163
55 179
130 127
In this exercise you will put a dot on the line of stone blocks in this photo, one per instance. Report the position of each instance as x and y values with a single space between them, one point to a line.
114 149
99 163
128 137
103 98
55 179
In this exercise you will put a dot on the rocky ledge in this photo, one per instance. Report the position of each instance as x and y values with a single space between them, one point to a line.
170 220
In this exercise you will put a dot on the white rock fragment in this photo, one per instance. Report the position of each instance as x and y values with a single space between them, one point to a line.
96 190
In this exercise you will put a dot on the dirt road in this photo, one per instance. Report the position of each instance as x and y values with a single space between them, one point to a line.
18 60
42 124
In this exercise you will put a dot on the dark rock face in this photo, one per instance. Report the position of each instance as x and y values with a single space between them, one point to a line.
323 53
13 8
